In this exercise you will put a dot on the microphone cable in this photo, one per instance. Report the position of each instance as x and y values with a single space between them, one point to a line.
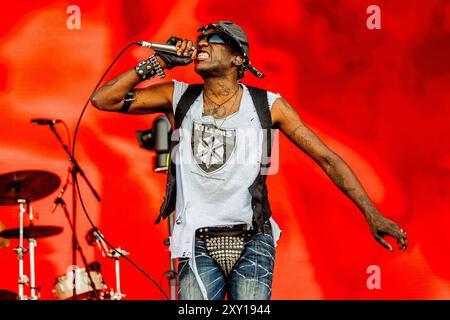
75 182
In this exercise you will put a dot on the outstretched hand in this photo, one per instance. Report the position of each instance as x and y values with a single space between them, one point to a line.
381 227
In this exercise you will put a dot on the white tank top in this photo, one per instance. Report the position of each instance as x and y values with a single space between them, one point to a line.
216 161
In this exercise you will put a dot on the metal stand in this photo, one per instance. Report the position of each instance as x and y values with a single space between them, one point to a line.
95 236
114 254
21 250
23 279
78 247
172 273
33 288
32 244
75 169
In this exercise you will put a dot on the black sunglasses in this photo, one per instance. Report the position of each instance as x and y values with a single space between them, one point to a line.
216 38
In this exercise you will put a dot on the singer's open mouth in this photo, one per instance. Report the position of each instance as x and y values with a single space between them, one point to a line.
202 56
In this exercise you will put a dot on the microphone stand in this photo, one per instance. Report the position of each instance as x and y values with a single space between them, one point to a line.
171 274
75 169
80 250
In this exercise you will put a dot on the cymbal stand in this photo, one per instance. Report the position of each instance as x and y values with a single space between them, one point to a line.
20 250
116 254
32 245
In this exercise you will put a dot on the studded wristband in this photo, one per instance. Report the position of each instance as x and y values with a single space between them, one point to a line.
145 70
156 66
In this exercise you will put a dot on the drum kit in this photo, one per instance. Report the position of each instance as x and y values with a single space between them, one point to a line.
20 188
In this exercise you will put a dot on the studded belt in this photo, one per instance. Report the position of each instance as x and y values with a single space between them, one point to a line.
225 244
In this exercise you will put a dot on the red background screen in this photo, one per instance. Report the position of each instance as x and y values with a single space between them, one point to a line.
379 98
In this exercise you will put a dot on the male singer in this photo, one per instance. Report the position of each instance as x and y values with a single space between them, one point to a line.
224 234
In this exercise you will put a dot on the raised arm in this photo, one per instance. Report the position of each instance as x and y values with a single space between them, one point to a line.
154 98
289 122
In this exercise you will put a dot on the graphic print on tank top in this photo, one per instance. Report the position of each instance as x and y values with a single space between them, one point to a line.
212 147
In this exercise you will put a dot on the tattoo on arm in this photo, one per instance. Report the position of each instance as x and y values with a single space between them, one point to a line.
367 205
295 134
340 182
348 183
287 110
305 141
337 176
330 164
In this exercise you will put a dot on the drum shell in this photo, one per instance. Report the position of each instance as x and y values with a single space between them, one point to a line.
63 286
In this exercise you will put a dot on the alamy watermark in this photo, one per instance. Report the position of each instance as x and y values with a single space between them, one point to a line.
73 21
374 280
374 20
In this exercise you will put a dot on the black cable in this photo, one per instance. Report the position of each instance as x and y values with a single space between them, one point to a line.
161 280
92 94
75 182
67 133
69 145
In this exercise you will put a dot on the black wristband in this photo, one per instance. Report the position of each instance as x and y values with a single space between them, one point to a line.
127 101
145 70
156 66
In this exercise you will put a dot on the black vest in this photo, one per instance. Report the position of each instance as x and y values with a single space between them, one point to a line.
258 189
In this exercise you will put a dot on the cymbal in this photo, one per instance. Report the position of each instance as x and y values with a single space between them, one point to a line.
36 232
29 185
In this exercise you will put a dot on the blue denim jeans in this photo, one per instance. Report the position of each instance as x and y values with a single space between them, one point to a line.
251 278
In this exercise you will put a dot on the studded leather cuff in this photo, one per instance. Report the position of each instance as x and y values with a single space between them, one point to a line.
145 70
156 66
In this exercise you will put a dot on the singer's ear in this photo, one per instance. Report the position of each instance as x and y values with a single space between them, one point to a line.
238 61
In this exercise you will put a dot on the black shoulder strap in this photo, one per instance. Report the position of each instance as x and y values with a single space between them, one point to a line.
261 102
186 101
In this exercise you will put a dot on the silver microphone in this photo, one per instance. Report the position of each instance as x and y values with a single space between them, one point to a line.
158 46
